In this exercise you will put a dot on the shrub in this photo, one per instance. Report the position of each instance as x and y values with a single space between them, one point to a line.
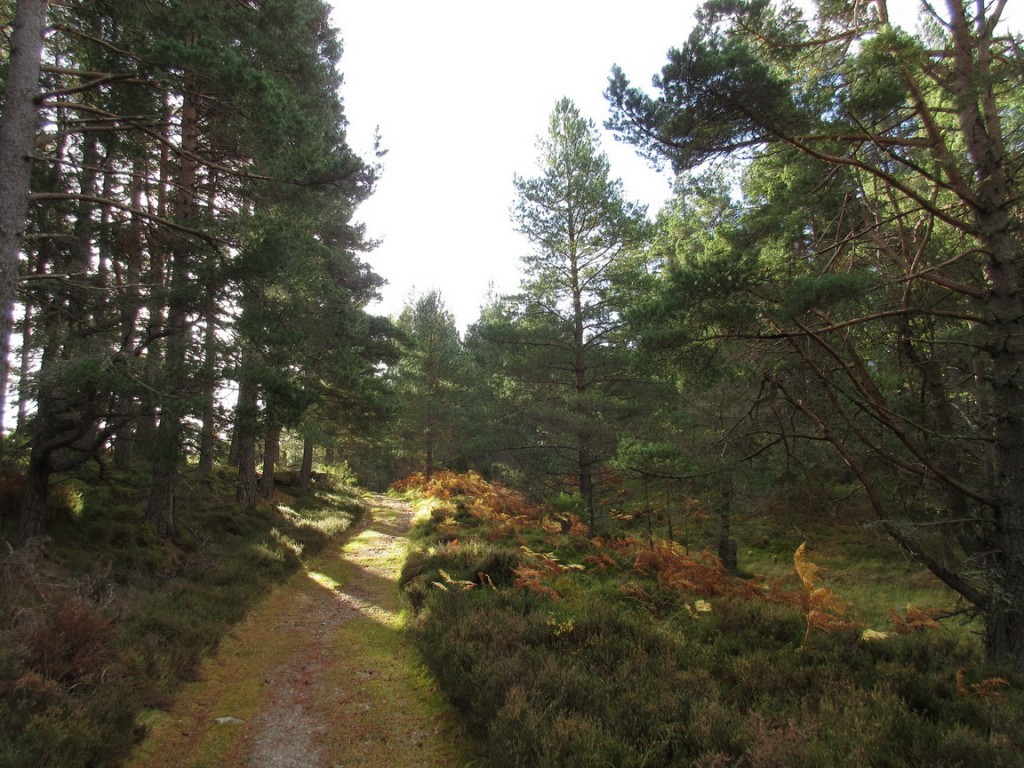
654 658
476 563
66 639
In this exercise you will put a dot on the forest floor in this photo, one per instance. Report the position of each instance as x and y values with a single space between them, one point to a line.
319 675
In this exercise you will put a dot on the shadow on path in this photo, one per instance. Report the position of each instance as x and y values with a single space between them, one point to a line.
319 674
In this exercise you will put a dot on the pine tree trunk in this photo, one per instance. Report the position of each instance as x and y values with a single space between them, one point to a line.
233 448
585 465
26 367
34 499
160 509
126 435
168 442
124 444
245 443
37 473
156 323
992 201
18 126
429 453
166 454
306 470
586 482
1004 629
271 453
208 430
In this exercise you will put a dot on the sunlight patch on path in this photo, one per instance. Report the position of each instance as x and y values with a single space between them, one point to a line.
320 674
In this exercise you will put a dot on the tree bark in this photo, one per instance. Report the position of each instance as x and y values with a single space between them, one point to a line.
18 126
306 470
34 498
168 443
585 461
245 443
37 473
160 510
271 453
1004 624
26 368
208 431
134 246
993 200
429 452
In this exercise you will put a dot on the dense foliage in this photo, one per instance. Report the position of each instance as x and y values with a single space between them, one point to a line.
182 292
868 261
562 650
190 232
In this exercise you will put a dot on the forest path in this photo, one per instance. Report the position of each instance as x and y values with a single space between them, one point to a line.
319 675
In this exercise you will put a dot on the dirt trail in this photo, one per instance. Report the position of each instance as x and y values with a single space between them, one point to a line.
320 675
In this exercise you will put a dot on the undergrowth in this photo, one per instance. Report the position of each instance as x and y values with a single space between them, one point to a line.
102 619
564 651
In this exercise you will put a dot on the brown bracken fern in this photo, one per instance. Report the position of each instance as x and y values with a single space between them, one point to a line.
986 689
824 609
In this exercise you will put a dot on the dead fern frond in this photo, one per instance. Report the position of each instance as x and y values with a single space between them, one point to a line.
677 571
986 689
542 566
486 581
805 569
533 580
601 561
825 610
915 620
961 684
448 584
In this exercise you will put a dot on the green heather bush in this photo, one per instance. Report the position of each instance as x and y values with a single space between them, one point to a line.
46 724
620 666
422 568
611 687
525 734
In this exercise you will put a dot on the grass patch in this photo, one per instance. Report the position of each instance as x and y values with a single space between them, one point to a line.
385 694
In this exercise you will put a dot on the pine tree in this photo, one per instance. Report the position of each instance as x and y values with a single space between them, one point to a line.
427 382
879 260
564 343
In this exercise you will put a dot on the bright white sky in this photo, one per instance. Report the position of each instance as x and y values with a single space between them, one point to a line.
461 90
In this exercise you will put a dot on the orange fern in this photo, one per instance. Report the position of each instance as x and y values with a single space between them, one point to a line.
539 568
824 609
676 571
986 689
915 620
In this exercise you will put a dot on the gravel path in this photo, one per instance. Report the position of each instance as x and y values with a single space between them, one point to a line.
320 675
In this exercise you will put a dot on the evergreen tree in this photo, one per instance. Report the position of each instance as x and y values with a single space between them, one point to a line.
183 138
564 343
879 263
18 126
428 384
